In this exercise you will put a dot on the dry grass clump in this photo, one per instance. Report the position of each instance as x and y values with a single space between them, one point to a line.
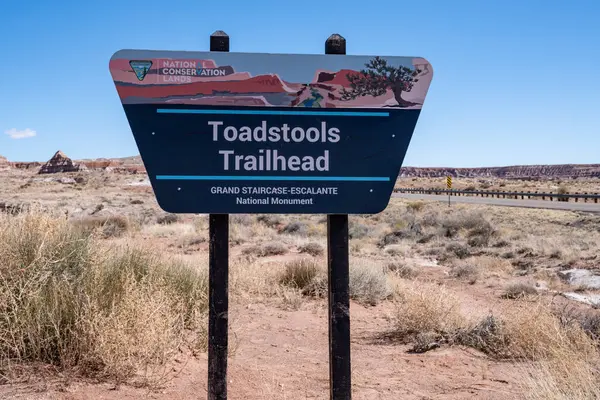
426 308
106 312
402 270
312 248
270 220
268 249
561 379
466 271
167 219
415 206
368 282
519 290
358 230
299 273
300 228
528 331
306 276
113 226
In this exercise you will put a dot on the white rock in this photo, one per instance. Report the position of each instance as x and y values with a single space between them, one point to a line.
580 277
591 299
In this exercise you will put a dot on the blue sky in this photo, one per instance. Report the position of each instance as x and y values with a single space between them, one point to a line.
515 82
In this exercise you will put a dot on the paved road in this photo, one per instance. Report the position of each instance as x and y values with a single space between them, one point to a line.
556 205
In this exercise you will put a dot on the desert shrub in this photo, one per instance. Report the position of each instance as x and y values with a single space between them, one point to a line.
402 270
466 271
415 206
470 188
368 282
267 249
299 228
471 221
588 320
569 378
241 219
410 231
357 230
107 312
113 226
459 250
299 273
481 234
167 219
562 189
394 250
270 220
426 308
312 248
518 290
529 332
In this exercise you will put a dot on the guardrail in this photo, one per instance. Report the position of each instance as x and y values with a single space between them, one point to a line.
592 197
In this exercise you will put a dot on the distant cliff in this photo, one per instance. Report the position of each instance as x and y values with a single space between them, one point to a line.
511 172
134 165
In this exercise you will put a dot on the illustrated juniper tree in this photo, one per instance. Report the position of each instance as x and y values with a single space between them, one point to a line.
378 78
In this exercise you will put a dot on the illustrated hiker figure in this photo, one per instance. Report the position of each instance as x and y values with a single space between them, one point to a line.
378 78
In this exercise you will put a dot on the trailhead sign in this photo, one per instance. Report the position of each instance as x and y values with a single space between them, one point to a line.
227 133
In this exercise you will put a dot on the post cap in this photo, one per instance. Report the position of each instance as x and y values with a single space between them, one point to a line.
335 44
219 41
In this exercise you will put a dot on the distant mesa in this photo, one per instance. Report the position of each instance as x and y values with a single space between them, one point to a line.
509 172
4 165
61 163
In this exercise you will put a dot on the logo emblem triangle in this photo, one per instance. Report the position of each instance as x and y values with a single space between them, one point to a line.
140 68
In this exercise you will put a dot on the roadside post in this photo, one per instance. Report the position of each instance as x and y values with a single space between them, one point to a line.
224 133
338 276
218 282
449 185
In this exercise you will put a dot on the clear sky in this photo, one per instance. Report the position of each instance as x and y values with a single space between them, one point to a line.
515 82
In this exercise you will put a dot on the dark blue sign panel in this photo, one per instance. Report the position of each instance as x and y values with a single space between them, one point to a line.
238 133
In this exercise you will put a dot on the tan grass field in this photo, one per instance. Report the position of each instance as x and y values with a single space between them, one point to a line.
103 295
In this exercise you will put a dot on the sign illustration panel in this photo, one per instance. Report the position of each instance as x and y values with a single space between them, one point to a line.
271 133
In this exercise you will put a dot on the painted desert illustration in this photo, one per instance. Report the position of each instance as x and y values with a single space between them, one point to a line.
197 78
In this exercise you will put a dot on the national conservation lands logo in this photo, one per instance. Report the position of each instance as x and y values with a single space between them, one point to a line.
140 67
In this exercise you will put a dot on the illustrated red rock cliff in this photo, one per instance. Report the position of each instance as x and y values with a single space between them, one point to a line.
61 163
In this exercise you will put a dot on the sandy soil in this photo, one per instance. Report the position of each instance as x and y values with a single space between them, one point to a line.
283 355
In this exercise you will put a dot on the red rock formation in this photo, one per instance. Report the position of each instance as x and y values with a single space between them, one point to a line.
61 163
511 172
4 164
25 165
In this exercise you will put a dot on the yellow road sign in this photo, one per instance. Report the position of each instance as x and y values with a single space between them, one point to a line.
449 182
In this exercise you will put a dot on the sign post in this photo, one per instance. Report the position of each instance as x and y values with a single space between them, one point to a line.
218 282
339 284
449 185
259 133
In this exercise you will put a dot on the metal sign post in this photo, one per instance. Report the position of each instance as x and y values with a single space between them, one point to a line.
449 185
218 282
339 285
250 133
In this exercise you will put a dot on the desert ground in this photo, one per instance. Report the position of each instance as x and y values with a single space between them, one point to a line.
104 296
